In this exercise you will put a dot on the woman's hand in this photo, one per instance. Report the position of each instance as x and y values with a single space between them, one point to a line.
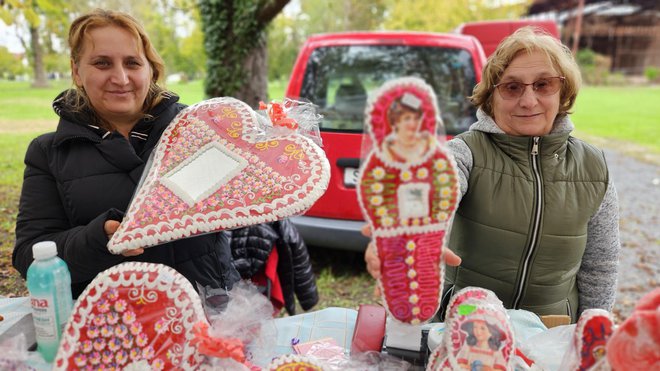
373 262
110 227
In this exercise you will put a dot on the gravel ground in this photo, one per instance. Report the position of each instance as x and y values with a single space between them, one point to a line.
638 186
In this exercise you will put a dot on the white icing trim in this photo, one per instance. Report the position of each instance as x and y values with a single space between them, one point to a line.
174 285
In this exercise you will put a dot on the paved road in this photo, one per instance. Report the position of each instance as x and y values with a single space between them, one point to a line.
638 187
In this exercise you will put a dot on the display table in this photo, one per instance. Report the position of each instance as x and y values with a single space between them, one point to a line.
335 323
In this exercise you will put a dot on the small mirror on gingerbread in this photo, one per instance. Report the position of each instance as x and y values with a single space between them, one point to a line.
408 191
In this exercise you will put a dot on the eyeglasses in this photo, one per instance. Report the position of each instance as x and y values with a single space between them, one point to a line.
543 87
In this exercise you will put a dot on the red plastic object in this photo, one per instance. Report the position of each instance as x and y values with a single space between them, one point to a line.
369 329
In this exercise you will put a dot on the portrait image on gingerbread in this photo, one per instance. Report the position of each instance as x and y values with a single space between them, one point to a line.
482 349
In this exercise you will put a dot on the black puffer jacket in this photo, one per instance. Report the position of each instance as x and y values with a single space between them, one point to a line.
80 176
251 247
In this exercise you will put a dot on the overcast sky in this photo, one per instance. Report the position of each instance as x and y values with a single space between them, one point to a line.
8 39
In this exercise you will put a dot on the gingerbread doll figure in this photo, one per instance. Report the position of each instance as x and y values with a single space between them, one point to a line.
408 192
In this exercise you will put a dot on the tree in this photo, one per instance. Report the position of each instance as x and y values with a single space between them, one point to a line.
34 12
235 43
446 15
288 31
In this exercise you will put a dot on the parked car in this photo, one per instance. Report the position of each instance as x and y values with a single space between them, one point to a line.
491 33
337 72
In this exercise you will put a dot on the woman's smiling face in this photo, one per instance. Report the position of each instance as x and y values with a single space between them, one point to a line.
531 114
115 74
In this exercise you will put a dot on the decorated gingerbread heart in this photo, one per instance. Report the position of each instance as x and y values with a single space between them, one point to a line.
592 332
478 336
213 169
133 315
408 191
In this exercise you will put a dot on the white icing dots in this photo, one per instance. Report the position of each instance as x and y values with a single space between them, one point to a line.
410 246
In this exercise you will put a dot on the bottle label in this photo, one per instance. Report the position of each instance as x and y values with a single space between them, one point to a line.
63 302
43 314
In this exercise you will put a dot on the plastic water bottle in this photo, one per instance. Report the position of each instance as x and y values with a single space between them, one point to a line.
49 283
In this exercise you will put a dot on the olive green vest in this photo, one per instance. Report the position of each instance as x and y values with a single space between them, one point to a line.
522 233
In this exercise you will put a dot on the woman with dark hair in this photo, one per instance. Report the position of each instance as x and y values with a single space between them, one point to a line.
481 351
407 141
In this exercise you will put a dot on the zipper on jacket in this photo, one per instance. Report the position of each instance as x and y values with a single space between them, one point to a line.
536 222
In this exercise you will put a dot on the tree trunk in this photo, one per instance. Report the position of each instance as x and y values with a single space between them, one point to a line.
255 66
40 80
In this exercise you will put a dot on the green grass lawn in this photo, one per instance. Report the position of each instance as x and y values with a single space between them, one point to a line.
630 114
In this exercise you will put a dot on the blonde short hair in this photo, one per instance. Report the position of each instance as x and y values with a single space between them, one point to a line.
80 29
529 39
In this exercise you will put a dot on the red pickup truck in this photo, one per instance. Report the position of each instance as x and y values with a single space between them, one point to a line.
337 72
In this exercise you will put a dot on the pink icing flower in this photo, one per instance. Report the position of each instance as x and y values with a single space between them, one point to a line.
158 364
106 331
95 358
121 330
114 344
86 346
121 357
112 318
136 328
128 317
135 354
99 344
141 339
112 294
99 320
148 352
127 343
92 332
107 357
120 305
80 360
103 306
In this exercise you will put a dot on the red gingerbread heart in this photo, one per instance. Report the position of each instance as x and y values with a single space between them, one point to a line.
213 169
133 314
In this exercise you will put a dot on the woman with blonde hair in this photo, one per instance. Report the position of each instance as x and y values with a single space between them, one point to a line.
80 178
538 219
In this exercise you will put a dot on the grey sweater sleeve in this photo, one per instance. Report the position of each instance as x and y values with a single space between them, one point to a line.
597 277
463 157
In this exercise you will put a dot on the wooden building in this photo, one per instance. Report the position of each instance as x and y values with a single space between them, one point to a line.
628 32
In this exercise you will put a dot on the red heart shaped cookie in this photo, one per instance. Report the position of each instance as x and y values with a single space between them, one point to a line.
133 314
212 170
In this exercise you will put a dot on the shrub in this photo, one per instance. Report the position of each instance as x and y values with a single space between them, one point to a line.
594 67
651 73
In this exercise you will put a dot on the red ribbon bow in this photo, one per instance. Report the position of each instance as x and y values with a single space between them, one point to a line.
278 116
217 347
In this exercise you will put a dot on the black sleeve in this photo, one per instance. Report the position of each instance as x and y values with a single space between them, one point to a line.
303 275
41 217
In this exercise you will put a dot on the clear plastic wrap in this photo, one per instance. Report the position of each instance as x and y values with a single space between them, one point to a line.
221 165
245 326
14 354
